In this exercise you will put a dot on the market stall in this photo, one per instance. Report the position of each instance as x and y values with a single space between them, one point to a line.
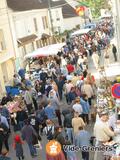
108 99
15 105
50 50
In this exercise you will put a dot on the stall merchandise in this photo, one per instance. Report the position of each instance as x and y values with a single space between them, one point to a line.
106 102
14 106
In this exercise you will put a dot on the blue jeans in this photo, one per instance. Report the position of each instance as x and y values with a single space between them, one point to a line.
21 124
32 149
71 156
69 132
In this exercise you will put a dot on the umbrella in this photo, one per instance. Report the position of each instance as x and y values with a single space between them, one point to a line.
46 51
80 32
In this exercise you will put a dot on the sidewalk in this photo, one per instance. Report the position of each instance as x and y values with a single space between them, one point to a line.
112 71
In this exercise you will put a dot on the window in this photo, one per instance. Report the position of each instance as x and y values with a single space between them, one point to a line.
57 14
2 41
45 22
35 24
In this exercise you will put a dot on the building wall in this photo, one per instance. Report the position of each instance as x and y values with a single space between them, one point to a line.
58 21
7 52
75 21
22 24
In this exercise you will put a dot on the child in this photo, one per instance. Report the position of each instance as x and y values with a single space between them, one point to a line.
18 147
4 156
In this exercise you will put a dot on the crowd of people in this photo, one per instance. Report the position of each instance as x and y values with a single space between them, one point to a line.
59 104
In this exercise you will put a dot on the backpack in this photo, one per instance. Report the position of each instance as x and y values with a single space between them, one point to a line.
49 134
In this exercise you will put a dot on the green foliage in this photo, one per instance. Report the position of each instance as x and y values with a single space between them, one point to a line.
95 5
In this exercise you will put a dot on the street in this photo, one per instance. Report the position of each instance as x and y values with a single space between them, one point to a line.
42 153
56 55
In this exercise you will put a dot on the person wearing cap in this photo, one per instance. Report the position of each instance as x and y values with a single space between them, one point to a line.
103 133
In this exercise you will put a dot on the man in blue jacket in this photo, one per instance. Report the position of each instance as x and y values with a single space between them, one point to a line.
86 108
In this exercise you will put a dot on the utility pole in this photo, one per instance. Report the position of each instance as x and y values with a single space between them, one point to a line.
50 14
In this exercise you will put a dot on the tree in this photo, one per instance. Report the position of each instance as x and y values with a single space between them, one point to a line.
95 5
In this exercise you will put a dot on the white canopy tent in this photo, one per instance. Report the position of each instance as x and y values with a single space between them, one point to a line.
80 32
46 51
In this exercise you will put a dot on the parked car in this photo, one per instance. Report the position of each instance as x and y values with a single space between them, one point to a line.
90 26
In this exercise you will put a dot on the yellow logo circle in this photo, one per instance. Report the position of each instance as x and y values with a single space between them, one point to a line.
53 148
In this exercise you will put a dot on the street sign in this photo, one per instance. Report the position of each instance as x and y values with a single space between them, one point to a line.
116 90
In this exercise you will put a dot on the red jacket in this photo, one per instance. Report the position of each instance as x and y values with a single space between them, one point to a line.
70 68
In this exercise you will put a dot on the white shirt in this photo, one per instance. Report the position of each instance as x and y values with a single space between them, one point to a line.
47 128
112 120
78 108
69 77
102 132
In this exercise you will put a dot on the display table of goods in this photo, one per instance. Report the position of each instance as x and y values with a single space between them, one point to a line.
104 96
14 106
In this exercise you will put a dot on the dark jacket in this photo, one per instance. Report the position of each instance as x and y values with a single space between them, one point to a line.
5 112
19 150
71 96
28 132
40 114
34 121
65 112
5 133
68 120
114 49
60 138
21 116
